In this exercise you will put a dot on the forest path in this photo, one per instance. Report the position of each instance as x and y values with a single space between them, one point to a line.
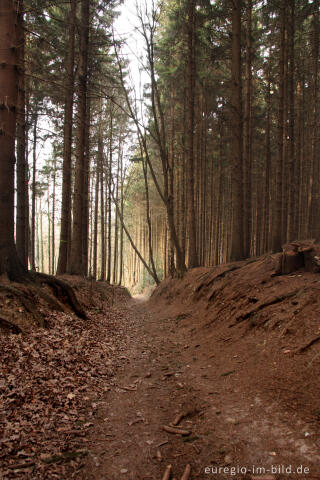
162 375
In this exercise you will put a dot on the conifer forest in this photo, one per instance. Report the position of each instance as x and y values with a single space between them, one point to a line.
215 158
165 146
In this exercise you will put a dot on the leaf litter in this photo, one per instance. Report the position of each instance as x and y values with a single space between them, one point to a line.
50 385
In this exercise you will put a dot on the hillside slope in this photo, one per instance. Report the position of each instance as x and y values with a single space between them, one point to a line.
255 325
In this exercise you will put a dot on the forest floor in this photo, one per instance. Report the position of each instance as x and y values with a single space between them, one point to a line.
248 394
234 350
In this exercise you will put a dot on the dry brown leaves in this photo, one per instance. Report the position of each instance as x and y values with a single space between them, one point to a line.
50 385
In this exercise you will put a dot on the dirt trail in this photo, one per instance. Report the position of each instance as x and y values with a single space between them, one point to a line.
165 373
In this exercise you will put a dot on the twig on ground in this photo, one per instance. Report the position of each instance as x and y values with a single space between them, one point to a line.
186 473
167 473
176 430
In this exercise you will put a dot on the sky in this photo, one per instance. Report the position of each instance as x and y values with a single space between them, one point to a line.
126 28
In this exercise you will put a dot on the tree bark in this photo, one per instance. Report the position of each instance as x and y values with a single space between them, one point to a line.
33 199
95 224
278 207
192 245
22 217
248 136
237 250
102 210
314 223
77 266
67 147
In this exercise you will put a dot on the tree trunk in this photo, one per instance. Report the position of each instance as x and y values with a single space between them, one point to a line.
86 192
248 136
53 246
67 147
95 226
278 207
109 174
237 250
292 227
33 201
192 245
22 167
76 266
102 212
314 223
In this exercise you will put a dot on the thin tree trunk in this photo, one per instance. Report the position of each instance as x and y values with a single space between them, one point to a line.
53 248
115 245
192 245
121 227
95 226
33 204
109 170
86 192
102 211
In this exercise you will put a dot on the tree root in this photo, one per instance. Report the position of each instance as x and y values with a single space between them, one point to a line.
231 269
8 325
273 301
62 290
31 288
217 277
26 303
309 344
49 299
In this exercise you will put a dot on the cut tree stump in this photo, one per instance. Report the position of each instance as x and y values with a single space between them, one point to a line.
296 255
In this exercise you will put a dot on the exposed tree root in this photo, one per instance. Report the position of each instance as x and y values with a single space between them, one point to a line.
214 292
8 325
27 304
217 277
31 288
49 299
63 291
309 344
272 301
232 268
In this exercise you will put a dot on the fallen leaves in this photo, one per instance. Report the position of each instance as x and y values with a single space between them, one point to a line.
48 380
